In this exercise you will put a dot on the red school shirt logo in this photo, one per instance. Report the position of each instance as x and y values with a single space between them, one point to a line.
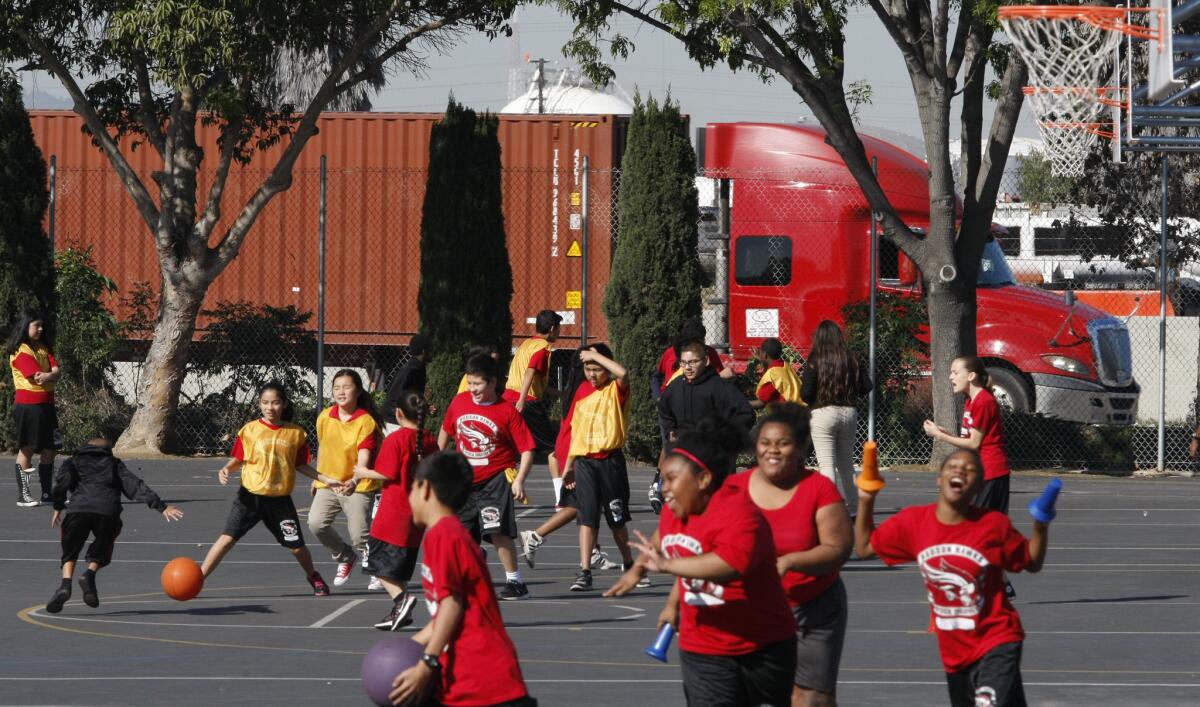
476 438
954 576
696 592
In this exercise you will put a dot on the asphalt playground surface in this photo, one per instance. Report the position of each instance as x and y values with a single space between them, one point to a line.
1113 619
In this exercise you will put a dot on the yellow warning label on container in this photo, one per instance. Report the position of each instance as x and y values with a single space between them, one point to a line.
574 299
576 198
574 251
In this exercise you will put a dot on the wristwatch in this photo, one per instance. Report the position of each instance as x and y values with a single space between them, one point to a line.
431 661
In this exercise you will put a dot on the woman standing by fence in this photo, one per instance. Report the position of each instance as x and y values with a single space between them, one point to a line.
34 372
833 379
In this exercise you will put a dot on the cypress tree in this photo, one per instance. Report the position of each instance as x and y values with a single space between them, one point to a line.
466 279
26 261
656 278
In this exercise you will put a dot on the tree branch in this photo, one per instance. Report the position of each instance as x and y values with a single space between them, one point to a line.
961 32
900 36
845 140
216 192
141 197
681 36
146 112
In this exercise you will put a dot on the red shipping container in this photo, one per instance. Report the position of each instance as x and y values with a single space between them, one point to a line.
376 184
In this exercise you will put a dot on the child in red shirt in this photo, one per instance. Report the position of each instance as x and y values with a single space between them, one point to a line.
962 552
813 539
469 657
737 636
493 437
394 541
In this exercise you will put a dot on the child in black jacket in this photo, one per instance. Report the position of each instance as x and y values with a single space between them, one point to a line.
95 480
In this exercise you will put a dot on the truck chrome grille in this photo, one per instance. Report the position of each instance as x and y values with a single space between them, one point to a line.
1114 356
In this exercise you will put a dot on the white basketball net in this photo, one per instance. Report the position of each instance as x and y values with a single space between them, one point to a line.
1066 57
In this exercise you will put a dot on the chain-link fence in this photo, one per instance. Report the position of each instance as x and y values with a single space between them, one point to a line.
1079 372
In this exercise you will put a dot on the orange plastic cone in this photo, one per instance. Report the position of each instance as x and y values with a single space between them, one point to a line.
869 480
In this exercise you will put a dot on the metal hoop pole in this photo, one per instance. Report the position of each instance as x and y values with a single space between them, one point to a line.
1162 319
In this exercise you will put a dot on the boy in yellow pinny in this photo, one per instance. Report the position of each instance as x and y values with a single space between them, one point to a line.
779 382
595 465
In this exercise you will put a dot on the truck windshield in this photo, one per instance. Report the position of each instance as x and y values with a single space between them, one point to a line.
993 269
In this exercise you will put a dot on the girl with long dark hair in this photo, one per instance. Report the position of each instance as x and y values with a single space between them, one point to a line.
34 373
833 379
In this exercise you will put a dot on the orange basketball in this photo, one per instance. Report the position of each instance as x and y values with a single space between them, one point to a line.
182 579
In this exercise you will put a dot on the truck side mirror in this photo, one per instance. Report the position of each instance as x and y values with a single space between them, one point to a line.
907 270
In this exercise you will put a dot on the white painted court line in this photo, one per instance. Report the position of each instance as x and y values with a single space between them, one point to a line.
336 613
526 512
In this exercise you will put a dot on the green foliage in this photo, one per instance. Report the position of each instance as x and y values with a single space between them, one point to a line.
85 342
466 279
899 359
244 346
1037 186
26 264
656 280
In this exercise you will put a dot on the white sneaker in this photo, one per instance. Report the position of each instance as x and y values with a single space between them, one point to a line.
343 573
530 542
375 585
600 561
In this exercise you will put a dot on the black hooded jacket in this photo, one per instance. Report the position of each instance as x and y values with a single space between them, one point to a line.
95 480
685 403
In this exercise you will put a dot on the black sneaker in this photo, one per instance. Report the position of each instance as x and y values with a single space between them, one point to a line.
655 496
513 591
60 597
400 615
320 588
1010 592
88 584
583 581
25 497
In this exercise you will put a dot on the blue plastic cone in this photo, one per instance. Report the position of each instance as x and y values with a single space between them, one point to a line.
1042 508
662 644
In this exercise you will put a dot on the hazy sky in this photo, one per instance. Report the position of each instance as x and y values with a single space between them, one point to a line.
477 72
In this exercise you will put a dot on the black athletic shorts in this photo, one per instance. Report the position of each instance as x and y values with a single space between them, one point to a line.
602 487
537 418
994 494
278 513
567 498
390 561
763 677
76 527
992 681
489 509
35 425
820 635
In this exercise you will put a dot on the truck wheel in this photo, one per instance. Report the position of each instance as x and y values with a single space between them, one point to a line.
1011 392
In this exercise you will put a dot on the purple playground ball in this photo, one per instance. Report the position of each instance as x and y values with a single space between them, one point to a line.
387 659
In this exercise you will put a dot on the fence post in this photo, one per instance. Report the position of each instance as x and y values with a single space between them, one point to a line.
1162 319
53 202
321 292
873 330
583 297
721 274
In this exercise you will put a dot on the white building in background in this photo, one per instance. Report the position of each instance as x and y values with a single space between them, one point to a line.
567 91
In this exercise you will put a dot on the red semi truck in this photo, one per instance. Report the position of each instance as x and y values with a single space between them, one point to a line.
799 250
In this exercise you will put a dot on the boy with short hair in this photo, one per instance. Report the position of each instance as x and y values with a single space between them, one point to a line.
962 552
469 658
492 435
595 464
528 378
779 382
95 480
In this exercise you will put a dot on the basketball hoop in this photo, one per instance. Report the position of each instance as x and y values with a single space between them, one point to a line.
1067 49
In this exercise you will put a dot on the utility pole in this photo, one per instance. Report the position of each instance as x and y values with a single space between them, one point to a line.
541 83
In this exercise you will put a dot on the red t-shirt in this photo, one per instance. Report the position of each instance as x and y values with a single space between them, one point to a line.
397 461
983 413
794 529
746 614
562 444
963 567
27 365
668 362
479 665
491 437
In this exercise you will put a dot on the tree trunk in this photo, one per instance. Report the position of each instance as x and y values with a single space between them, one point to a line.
165 367
951 329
